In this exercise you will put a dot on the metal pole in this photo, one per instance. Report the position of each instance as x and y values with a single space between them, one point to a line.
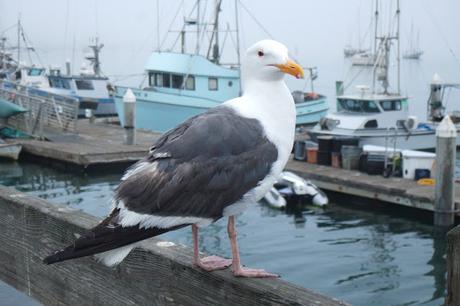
197 48
158 25
375 44
19 41
129 103
238 44
444 205
398 12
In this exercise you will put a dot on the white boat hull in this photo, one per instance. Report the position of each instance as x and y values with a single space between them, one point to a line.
10 151
416 140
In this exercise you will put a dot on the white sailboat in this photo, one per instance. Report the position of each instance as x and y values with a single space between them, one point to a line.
413 52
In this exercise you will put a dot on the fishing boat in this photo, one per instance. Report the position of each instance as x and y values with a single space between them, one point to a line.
363 59
379 117
413 52
91 88
183 84
349 51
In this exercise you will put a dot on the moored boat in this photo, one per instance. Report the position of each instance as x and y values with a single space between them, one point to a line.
181 84
9 150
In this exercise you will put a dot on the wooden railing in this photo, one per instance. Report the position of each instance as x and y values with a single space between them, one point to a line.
158 273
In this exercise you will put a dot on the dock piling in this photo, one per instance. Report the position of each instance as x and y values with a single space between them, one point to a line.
129 102
444 205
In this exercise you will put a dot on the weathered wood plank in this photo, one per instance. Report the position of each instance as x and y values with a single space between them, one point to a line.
156 274
453 267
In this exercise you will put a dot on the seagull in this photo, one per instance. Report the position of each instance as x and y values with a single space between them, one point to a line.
213 165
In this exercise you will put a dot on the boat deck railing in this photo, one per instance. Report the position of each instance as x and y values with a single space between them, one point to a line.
44 110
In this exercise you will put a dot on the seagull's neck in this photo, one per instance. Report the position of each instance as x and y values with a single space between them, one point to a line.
272 104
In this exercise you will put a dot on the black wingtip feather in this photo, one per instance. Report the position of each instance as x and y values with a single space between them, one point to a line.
102 239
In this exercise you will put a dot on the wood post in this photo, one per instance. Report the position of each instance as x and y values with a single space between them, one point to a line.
129 104
444 204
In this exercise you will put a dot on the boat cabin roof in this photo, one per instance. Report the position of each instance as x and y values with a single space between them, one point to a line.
183 63
77 77
372 97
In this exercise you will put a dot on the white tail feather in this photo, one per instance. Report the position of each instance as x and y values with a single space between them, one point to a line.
115 256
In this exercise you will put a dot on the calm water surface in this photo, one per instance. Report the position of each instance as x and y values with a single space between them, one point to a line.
363 256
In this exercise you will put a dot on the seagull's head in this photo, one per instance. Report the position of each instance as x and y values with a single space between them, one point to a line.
268 60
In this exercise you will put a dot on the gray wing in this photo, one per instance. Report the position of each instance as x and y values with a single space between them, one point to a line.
200 167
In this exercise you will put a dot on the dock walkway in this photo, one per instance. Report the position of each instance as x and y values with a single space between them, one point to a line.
394 190
94 144
99 144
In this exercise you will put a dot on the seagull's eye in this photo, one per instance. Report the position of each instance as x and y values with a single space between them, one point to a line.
260 53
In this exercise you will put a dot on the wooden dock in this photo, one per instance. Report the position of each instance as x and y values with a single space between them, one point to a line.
94 144
391 190
101 144
158 273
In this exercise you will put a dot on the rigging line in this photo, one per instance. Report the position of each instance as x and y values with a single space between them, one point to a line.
255 19
203 30
9 28
28 43
441 34
170 26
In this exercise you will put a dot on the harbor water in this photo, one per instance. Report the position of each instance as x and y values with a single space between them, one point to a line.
379 256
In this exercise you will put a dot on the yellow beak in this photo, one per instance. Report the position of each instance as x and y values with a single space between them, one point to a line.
291 68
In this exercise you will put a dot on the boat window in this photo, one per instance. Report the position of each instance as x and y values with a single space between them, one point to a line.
152 79
166 80
212 83
190 82
84 84
394 105
158 79
371 124
359 106
59 83
230 83
177 81
35 72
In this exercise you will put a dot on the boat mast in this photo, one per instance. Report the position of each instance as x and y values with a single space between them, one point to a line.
197 48
238 44
215 51
398 12
95 59
158 25
375 53
3 53
19 40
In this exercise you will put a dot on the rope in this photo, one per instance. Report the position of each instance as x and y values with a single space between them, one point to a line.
440 32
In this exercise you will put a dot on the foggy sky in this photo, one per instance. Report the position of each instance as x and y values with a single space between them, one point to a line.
314 31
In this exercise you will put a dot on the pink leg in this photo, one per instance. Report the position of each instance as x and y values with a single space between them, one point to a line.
238 270
209 263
